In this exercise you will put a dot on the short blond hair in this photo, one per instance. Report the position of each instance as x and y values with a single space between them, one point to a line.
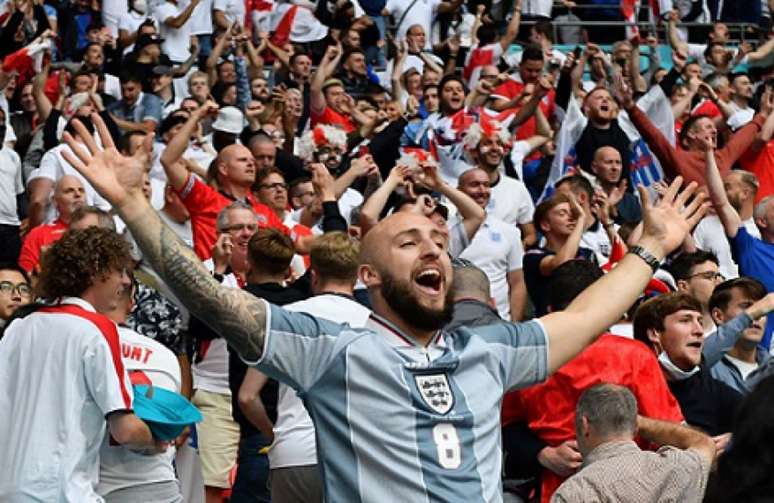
270 251
334 256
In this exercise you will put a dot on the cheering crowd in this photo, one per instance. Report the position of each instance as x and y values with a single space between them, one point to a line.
389 250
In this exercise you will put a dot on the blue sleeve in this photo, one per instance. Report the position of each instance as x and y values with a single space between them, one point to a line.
522 349
299 348
741 244
242 82
717 344
152 109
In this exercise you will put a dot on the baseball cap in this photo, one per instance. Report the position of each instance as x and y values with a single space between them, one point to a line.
165 412
160 70
147 39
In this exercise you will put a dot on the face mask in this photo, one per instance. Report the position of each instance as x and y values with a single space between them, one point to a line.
140 6
672 370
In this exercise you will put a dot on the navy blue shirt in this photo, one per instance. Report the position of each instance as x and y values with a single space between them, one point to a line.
756 259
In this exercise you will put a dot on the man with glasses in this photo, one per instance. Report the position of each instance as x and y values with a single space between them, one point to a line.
697 274
15 291
272 191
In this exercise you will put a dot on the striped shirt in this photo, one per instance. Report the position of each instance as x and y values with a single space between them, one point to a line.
393 417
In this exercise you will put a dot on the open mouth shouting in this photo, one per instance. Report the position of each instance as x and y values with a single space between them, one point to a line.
430 281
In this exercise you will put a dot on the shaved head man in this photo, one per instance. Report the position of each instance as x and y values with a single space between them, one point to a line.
400 407
407 271
69 195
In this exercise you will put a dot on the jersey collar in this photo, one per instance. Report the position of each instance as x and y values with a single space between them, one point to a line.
396 337
78 302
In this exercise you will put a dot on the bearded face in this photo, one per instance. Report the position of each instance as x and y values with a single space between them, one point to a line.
404 301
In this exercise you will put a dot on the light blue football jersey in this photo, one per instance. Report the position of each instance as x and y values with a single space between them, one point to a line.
399 422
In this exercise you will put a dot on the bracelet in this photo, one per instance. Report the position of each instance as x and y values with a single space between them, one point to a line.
645 255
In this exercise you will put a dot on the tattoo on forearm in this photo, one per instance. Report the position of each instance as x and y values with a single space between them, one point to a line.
237 316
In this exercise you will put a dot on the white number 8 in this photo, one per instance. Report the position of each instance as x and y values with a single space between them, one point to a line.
448 444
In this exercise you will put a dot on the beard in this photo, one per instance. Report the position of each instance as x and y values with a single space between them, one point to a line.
404 302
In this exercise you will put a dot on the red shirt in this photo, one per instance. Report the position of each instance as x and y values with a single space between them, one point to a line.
333 118
204 203
761 164
549 408
512 88
38 238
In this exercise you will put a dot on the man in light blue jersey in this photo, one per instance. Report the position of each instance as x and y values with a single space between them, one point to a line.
403 410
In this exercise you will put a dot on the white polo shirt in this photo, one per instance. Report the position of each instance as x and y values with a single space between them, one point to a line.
510 201
60 376
496 249
294 434
147 362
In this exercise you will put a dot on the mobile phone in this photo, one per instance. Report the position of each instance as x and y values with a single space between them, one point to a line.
577 51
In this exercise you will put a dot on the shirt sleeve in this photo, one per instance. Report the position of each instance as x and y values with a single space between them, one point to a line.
197 195
298 347
151 109
106 379
516 251
47 168
741 245
522 349
526 208
649 386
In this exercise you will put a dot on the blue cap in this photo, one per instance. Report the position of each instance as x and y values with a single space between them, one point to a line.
165 412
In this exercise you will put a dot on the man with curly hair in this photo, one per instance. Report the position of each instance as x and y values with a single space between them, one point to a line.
61 375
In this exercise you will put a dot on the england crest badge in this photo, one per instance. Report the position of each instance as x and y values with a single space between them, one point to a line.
435 392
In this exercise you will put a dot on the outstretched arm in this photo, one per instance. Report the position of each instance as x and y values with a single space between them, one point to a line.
604 302
728 216
234 314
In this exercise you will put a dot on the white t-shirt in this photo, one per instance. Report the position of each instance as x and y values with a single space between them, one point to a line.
201 18
146 361
176 40
348 201
496 249
130 22
234 10
537 7
53 167
510 201
60 376
294 434
10 185
744 368
211 373
710 236
422 13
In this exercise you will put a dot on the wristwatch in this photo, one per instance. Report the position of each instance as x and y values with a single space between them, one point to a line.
645 255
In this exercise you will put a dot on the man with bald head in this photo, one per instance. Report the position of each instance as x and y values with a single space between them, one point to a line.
233 172
607 166
400 406
69 195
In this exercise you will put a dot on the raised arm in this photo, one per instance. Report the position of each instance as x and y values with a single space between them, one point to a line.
178 21
171 158
672 35
373 206
606 300
512 31
569 250
729 217
233 313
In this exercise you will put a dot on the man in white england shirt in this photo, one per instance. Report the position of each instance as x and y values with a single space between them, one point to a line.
126 476
75 389
496 249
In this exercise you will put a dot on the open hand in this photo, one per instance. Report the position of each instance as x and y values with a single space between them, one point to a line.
666 223
117 178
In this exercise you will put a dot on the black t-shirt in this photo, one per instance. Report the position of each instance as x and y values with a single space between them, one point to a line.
593 138
537 283
279 295
706 403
